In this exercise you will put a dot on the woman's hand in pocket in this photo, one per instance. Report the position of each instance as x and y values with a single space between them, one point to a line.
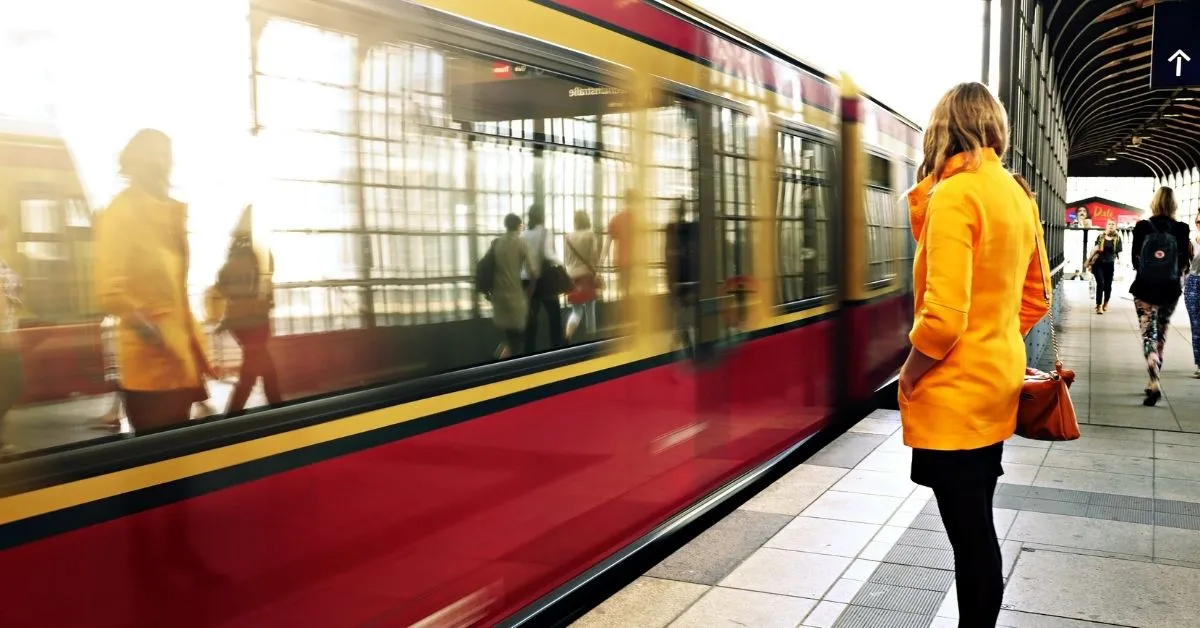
915 367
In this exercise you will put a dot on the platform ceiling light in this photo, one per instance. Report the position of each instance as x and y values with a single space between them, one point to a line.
1110 159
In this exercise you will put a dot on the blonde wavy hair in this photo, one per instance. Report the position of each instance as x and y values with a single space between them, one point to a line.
1163 203
967 119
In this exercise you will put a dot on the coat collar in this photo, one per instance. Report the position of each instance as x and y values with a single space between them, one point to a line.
919 195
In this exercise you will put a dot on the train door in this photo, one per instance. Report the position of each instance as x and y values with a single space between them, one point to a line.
734 244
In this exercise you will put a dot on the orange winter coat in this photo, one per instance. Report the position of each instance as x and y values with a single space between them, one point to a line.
142 264
978 282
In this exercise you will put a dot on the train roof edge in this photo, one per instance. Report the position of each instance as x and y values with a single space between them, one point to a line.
688 10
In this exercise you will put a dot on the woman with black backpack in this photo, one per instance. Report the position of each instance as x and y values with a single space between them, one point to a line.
245 282
1163 256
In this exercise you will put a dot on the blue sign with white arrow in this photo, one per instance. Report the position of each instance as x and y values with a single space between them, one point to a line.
1176 41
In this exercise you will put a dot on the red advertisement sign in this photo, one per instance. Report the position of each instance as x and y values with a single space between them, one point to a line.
1097 212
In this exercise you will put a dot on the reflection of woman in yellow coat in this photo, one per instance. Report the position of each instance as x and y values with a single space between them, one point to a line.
141 277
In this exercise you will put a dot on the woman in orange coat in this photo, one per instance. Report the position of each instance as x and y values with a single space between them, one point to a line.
977 274
141 278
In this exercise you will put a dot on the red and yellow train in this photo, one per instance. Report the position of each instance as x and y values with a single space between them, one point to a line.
411 481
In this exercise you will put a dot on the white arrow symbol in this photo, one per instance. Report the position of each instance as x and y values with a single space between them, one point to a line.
1179 57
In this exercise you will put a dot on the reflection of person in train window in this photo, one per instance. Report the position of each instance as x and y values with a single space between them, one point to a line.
510 300
245 283
111 420
681 257
141 278
540 242
12 381
618 243
582 256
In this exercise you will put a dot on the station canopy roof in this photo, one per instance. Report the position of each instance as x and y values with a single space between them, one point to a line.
1116 124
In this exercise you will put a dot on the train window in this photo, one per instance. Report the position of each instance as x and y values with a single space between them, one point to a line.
671 173
883 221
732 141
803 219
51 248
382 173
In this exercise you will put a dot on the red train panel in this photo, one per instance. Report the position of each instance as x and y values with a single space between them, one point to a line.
62 360
472 520
878 342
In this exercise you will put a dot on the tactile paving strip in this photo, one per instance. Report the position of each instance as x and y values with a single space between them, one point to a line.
1052 507
921 557
924 538
1058 495
1177 508
866 617
1128 515
1172 520
928 522
893 598
1121 501
1106 506
913 577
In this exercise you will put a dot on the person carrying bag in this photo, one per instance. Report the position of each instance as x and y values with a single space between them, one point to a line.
583 251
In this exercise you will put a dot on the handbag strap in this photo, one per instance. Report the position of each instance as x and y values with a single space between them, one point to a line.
1037 248
581 258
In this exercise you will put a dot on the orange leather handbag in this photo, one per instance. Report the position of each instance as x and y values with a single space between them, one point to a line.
1045 411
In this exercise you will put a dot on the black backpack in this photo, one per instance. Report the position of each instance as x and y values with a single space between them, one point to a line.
1159 258
485 271
239 277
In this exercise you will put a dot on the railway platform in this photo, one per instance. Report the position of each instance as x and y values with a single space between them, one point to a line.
1102 531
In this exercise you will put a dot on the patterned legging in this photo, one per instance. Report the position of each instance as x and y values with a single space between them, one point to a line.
1154 320
1191 300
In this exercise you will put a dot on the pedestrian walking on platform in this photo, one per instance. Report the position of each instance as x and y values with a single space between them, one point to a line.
978 282
1191 296
1161 256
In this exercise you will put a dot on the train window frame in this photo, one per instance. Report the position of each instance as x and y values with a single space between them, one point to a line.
880 209
740 223
106 453
62 250
825 279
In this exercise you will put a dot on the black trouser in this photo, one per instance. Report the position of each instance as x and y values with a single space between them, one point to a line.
553 315
1104 278
964 483
256 362
966 509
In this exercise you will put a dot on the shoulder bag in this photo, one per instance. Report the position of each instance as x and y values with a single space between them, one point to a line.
554 280
586 288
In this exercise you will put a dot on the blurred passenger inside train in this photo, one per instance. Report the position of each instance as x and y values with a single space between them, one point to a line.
12 379
141 274
510 296
245 283
681 255
618 242
111 420
544 294
1103 261
1162 255
1191 296
978 277
581 258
